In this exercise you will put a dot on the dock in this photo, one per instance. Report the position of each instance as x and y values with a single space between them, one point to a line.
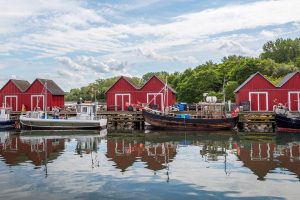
261 122
255 122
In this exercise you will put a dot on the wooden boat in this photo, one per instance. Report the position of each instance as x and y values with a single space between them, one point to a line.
181 122
86 119
286 123
5 121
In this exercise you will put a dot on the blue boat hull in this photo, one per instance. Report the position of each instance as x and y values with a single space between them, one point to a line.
7 124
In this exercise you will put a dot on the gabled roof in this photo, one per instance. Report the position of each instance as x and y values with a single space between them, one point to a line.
127 79
22 85
249 79
52 86
286 78
161 82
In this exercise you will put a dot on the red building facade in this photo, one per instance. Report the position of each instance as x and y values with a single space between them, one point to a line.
19 93
263 95
123 93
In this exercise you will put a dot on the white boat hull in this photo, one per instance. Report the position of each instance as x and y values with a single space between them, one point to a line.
61 124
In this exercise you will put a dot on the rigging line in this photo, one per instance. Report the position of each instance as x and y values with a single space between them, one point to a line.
156 94
44 90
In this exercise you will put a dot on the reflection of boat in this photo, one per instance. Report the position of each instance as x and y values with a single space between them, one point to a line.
86 119
56 134
186 122
5 121
286 123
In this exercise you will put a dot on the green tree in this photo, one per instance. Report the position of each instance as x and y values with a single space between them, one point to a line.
282 50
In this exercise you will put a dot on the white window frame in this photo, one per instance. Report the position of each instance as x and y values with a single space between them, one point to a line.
156 94
267 100
37 95
11 96
121 94
289 99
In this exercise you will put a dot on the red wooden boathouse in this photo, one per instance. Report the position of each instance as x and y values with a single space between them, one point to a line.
12 93
19 93
263 95
36 95
124 92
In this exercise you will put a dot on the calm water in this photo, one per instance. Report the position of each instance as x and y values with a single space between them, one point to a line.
91 165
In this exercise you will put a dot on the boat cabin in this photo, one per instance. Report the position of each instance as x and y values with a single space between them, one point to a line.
4 113
86 111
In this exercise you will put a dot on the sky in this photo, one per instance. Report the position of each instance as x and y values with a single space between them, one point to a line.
75 42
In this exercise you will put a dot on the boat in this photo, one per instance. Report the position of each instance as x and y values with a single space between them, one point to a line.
86 118
5 121
285 121
201 122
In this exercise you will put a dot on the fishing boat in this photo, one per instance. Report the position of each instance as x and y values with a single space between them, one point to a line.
202 121
86 118
285 121
5 121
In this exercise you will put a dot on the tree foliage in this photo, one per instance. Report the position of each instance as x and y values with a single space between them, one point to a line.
278 59
282 50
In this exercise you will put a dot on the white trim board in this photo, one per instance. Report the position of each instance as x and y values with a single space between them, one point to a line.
289 99
258 106
11 96
155 95
31 100
121 94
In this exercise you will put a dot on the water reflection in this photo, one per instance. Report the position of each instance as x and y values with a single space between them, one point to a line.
264 157
182 158
16 150
124 152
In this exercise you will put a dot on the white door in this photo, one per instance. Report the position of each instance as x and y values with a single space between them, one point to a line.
258 101
155 98
294 101
122 101
37 101
11 101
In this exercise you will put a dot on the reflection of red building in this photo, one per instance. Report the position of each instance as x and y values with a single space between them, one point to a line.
157 156
124 153
15 151
261 158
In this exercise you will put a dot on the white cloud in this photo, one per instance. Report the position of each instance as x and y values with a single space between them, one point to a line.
51 31
13 76
182 30
92 64
229 47
150 54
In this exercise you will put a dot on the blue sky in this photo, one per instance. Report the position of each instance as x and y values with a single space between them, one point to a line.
75 42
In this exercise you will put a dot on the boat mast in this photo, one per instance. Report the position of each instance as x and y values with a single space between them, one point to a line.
224 98
45 106
167 92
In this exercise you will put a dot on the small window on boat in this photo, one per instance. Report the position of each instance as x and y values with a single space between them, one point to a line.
84 109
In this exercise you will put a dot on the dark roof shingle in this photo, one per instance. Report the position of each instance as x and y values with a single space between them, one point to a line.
286 78
52 87
21 84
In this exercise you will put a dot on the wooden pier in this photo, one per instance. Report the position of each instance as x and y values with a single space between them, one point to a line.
124 120
255 122
261 122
